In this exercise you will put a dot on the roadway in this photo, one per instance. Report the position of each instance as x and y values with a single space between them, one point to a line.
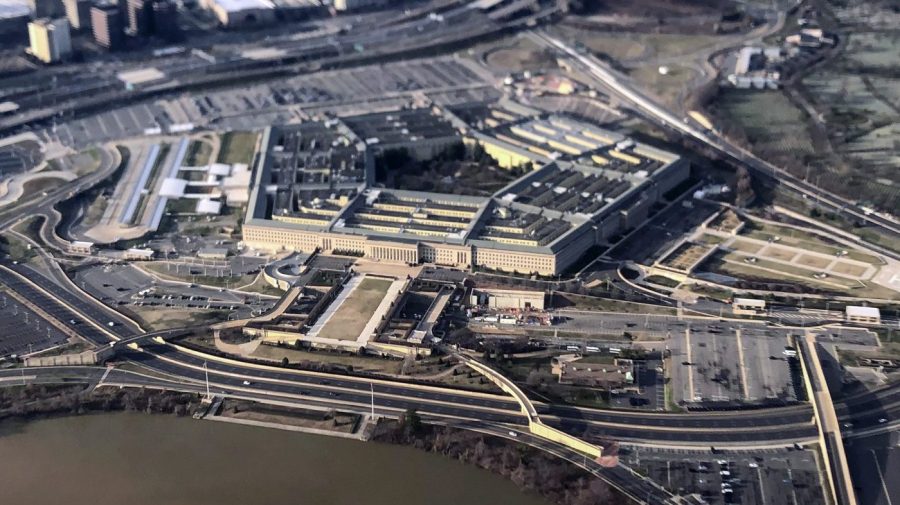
788 425
624 89
620 477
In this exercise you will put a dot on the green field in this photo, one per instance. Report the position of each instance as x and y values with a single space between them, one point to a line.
237 147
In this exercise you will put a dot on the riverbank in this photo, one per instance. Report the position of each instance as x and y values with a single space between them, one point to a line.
531 470
41 401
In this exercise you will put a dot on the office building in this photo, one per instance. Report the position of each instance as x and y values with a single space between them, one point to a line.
14 20
78 12
140 18
47 8
107 26
592 186
49 39
165 20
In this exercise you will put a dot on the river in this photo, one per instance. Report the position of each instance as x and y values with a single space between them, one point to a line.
139 459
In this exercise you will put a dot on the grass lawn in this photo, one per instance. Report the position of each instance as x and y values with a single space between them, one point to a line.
804 240
607 305
237 147
198 154
154 318
184 275
359 363
39 185
350 319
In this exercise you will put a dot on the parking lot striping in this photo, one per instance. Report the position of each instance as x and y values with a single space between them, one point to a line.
762 489
741 365
687 339
884 487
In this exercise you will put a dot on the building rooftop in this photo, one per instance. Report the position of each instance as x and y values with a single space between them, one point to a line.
242 5
14 9
401 126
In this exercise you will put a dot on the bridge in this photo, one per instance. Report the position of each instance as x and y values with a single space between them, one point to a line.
535 426
837 470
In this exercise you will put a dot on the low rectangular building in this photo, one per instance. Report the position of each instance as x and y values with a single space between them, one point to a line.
508 298
863 315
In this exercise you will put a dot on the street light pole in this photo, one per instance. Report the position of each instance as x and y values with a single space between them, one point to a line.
372 390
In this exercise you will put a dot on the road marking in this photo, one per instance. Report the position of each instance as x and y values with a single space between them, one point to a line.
887 494
687 340
762 489
20 378
105 374
741 365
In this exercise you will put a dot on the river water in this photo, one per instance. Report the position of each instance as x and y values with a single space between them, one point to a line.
139 459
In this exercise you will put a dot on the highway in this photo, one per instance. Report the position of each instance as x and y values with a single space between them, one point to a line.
64 94
622 478
787 424
623 88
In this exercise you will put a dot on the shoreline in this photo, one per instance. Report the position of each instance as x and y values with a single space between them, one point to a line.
531 470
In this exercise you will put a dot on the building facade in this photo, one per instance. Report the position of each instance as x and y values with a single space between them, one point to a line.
78 12
49 39
542 223
108 26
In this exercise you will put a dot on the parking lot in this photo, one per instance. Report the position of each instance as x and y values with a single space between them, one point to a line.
22 331
126 285
726 364
281 101
783 477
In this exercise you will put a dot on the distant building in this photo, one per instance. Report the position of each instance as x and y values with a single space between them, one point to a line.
863 315
241 13
78 12
47 8
140 18
349 5
14 20
108 26
49 39
165 20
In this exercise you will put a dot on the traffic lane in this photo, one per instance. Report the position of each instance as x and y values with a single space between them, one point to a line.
452 407
360 384
319 393
122 327
741 420
869 401
54 308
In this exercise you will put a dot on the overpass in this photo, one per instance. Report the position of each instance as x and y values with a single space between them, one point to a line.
835 460
535 426
620 85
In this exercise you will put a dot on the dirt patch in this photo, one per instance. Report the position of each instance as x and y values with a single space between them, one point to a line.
848 269
814 261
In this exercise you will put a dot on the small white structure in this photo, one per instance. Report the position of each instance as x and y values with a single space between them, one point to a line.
207 206
173 187
863 315
748 306
81 247
141 76
139 254
508 299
